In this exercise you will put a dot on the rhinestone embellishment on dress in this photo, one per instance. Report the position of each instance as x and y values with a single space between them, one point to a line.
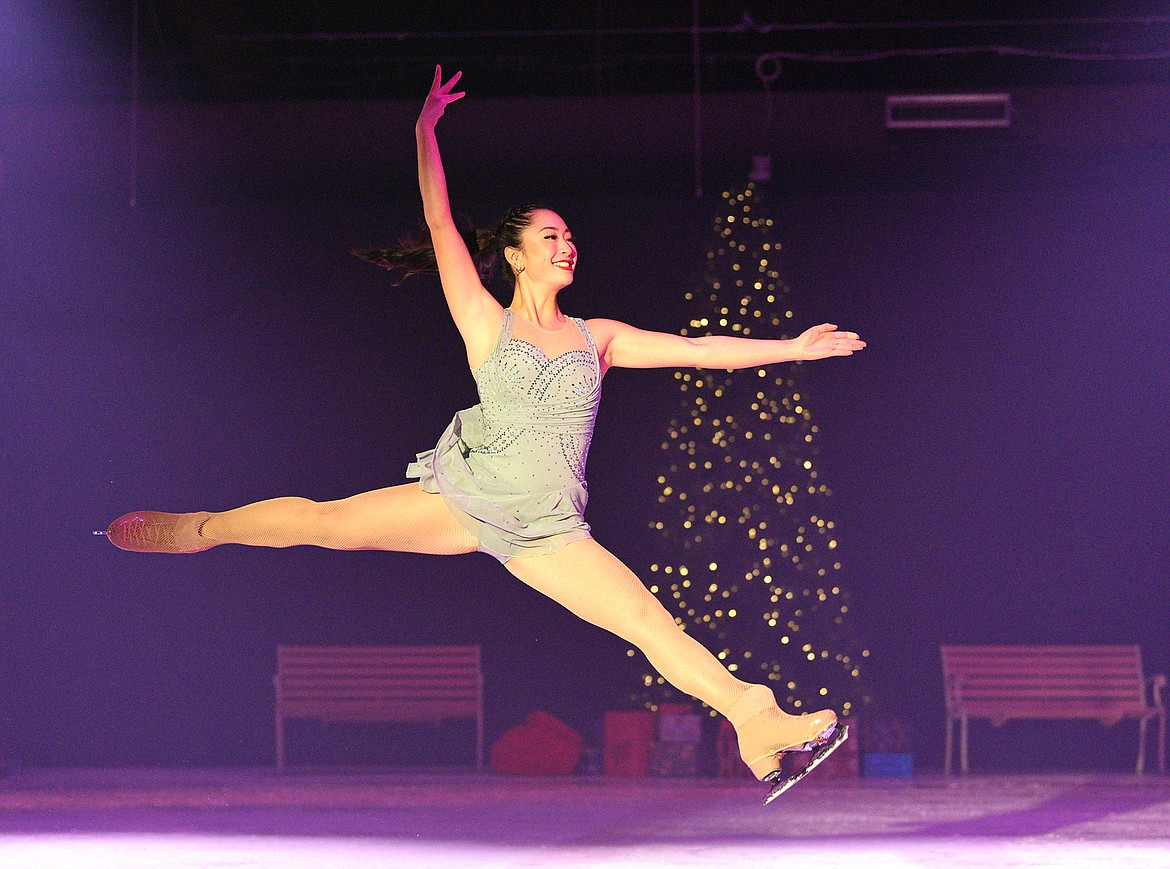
538 406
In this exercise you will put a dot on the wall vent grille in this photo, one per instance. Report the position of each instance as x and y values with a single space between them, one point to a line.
948 111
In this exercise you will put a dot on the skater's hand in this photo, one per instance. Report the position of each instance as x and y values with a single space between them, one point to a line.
438 98
824 340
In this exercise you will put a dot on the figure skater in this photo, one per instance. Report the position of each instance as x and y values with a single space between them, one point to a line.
508 476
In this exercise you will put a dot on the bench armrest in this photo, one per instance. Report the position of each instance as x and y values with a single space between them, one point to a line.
1157 683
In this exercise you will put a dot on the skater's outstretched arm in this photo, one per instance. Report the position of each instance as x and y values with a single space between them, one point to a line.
624 346
476 314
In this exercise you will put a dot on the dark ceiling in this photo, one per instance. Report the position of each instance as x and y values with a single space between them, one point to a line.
198 50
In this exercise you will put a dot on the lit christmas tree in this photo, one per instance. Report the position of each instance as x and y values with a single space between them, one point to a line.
745 551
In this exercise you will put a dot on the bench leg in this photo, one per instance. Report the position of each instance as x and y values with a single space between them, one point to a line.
479 743
950 745
1162 742
963 766
1141 760
279 742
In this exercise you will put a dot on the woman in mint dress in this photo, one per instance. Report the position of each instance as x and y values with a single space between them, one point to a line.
508 475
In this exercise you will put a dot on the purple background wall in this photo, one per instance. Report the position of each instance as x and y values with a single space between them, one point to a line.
998 453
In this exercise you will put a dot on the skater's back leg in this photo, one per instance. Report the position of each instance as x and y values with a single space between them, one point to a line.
399 518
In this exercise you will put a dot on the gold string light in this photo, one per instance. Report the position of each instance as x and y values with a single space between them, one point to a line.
745 555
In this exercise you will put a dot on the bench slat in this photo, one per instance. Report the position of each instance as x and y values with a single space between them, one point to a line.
1039 696
1024 669
378 683
326 709
1053 710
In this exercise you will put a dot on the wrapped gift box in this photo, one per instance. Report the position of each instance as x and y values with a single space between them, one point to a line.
888 765
668 759
628 739
680 727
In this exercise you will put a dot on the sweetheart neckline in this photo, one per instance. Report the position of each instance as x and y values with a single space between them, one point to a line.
579 323
548 359
542 352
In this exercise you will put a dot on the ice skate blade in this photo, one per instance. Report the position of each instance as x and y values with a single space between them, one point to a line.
766 767
823 737
782 784
812 745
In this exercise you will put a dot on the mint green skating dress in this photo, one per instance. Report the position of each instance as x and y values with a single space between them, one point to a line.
513 466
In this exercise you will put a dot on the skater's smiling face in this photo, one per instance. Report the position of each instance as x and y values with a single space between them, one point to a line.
547 252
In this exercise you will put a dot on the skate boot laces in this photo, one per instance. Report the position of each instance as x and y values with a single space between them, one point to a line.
149 531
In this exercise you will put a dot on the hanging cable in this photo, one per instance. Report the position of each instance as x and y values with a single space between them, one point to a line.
774 57
745 25
134 106
162 47
696 59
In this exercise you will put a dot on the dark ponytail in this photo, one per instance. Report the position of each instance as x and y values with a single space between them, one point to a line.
415 254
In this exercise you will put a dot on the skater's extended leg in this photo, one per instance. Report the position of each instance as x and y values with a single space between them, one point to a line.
400 518
595 585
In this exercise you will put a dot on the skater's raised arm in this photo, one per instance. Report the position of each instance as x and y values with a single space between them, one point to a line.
476 314
624 346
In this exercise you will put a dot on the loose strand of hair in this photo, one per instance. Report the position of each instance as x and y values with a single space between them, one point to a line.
414 254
